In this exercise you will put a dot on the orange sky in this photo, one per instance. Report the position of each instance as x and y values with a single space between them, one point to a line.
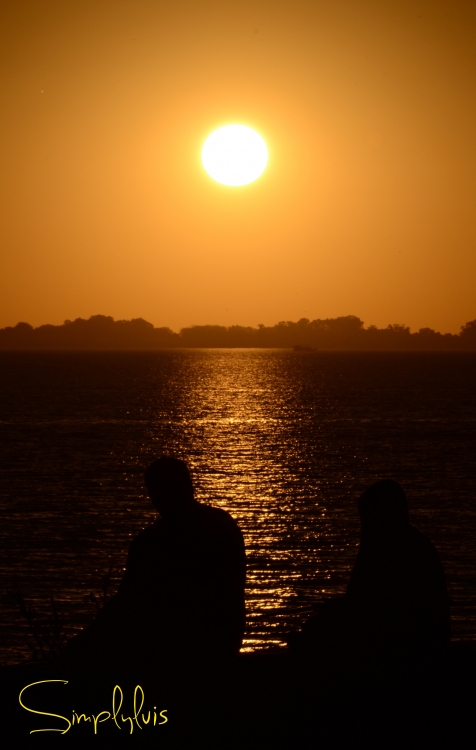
367 206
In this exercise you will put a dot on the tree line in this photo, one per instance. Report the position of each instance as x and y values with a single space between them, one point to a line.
102 332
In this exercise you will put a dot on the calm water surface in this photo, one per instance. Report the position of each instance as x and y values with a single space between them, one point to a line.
285 441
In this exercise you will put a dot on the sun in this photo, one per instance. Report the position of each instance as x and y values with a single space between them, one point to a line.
234 155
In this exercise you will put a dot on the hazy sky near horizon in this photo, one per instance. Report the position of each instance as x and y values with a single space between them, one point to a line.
368 203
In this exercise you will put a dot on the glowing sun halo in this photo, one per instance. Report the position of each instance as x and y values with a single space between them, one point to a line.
234 155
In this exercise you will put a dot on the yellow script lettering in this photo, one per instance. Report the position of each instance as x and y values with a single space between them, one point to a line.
128 718
116 687
82 716
98 720
45 713
138 710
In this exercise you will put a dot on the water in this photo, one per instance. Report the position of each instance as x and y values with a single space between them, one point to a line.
285 441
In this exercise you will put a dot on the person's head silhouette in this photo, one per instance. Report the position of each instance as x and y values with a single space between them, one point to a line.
169 485
383 508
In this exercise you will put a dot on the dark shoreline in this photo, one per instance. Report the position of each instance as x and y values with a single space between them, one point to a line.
102 332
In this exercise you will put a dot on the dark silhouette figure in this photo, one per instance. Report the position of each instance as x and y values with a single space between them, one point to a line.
182 595
394 616
396 596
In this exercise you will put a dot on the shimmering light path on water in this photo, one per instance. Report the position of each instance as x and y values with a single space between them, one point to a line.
285 441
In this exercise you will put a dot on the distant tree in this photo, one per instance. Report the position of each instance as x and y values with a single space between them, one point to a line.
204 336
399 328
468 331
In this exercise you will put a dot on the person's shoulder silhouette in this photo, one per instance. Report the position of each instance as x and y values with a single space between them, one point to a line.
395 613
397 587
186 572
182 593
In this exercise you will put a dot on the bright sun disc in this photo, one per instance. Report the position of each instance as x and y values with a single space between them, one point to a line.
234 155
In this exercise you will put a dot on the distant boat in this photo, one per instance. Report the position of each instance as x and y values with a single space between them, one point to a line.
301 348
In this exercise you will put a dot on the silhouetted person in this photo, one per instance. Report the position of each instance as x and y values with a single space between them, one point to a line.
182 594
397 595
395 613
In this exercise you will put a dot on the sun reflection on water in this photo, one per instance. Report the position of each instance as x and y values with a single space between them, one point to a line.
248 461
